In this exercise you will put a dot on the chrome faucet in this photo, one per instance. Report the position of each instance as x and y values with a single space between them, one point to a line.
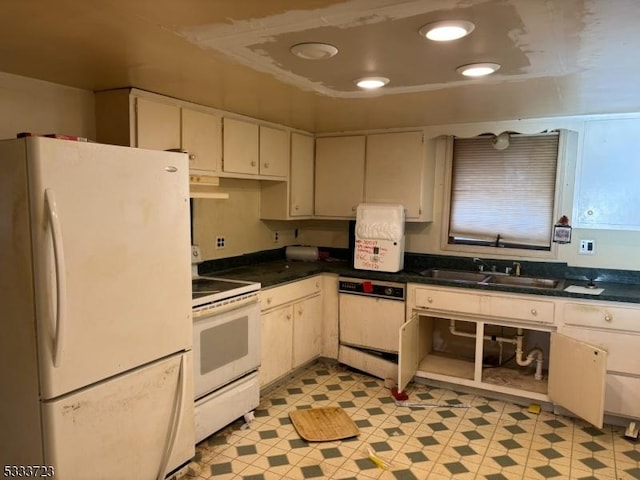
483 264
517 267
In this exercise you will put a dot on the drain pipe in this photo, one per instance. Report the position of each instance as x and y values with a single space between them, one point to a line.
534 354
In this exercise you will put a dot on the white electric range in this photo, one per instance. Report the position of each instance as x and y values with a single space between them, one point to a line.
226 350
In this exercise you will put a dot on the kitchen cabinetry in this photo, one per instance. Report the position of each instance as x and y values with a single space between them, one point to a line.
139 119
292 199
396 173
468 338
394 169
606 175
615 328
291 327
339 176
251 150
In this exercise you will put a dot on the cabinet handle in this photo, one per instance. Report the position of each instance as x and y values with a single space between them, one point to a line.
297 207
608 317
192 156
253 164
288 316
534 312
300 312
430 299
269 300
266 165
353 209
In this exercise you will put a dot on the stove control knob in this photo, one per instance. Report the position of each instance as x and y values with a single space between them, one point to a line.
388 291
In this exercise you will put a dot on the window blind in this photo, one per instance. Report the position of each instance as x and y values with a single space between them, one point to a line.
504 192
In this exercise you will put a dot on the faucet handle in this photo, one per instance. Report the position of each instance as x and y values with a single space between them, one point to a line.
518 267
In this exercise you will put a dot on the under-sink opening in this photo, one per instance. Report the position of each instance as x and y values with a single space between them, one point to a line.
452 348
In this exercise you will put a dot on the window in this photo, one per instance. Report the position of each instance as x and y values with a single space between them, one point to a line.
503 197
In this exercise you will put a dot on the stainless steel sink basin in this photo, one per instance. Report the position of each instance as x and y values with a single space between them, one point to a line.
455 275
527 282
491 278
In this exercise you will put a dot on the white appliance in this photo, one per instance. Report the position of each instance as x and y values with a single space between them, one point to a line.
371 314
95 354
226 350
379 237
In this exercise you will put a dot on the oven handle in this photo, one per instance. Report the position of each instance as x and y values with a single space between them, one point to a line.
225 306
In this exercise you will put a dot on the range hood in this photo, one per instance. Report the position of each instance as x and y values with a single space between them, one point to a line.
206 186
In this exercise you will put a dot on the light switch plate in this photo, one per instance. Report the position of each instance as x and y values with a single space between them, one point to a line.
587 247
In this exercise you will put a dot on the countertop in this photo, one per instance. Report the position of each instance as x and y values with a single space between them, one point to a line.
276 272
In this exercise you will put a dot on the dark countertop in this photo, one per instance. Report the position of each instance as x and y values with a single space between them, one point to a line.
276 272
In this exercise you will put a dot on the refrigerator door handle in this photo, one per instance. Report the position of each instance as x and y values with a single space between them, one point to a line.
61 283
176 421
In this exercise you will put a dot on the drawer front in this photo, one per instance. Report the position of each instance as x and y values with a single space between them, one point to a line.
623 348
446 300
522 309
283 294
602 316
622 396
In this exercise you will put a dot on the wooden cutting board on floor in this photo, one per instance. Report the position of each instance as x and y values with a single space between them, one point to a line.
323 424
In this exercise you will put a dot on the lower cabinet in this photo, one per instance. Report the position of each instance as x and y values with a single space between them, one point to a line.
502 343
291 327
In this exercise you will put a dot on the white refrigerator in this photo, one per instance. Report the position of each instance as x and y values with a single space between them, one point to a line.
95 287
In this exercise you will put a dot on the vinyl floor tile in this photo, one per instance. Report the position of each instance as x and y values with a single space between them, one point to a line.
486 440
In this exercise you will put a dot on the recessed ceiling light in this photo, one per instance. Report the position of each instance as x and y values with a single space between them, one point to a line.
447 30
314 51
371 83
478 69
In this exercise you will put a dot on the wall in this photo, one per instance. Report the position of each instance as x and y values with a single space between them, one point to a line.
29 105
615 249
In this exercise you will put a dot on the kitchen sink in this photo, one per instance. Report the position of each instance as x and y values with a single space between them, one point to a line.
491 278
455 275
527 282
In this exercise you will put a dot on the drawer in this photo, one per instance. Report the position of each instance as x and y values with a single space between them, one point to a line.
451 301
290 292
602 316
622 348
522 308
622 396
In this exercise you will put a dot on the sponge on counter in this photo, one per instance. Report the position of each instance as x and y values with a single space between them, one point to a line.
534 408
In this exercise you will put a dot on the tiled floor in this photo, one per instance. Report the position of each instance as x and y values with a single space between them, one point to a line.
489 439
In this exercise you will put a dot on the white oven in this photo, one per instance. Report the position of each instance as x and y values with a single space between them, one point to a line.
226 341
226 351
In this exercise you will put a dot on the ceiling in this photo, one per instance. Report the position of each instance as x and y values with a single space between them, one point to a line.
557 57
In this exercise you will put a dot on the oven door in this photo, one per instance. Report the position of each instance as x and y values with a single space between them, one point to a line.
226 342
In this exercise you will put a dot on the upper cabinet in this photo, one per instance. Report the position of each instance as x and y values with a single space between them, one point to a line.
136 119
607 175
292 199
339 175
376 168
254 150
395 172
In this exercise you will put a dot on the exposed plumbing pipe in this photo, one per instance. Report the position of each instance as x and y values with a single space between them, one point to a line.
535 354
492 338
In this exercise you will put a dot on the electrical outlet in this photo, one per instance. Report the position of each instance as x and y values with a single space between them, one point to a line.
276 237
220 243
587 247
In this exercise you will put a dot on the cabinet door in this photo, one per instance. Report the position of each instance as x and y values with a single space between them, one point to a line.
339 175
240 147
274 152
408 352
577 377
307 330
202 139
157 125
301 175
276 333
395 171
